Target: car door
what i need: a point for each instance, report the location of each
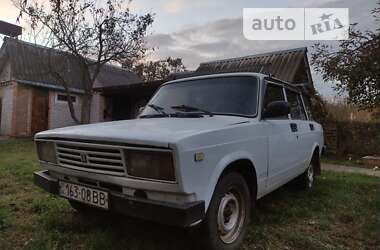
(282, 142)
(302, 128)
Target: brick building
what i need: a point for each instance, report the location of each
(31, 100)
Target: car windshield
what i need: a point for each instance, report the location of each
(235, 95)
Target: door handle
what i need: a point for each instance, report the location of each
(293, 127)
(311, 126)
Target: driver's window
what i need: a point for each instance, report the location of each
(274, 93)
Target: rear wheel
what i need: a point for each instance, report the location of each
(306, 180)
(228, 214)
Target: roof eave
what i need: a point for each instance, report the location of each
(49, 86)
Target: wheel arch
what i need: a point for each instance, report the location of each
(238, 162)
(315, 159)
(246, 168)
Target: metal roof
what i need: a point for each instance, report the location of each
(32, 63)
(287, 65)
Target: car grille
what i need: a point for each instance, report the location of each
(95, 158)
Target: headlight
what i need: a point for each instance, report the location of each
(150, 165)
(46, 151)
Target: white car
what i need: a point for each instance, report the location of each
(201, 153)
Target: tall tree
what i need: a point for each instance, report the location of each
(93, 33)
(354, 65)
(156, 70)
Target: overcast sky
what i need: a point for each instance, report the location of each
(204, 30)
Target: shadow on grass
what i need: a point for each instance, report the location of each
(100, 230)
(327, 218)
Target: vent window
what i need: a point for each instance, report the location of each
(64, 98)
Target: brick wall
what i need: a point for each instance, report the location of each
(17, 108)
(6, 96)
(22, 110)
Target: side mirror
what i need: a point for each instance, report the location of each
(276, 109)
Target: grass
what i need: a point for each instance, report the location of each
(352, 161)
(342, 212)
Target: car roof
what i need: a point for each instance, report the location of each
(216, 76)
(260, 75)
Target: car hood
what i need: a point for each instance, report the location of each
(153, 131)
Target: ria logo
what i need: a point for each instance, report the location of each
(328, 23)
(295, 23)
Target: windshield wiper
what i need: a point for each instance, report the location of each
(158, 109)
(187, 108)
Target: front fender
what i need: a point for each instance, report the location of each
(315, 146)
(221, 166)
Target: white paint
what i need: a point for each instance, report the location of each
(6, 96)
(59, 113)
(97, 107)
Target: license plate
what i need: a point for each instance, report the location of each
(84, 194)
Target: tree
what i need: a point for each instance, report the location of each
(92, 33)
(354, 65)
(156, 70)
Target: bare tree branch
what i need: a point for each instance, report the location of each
(94, 34)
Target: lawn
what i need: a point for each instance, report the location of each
(342, 212)
(353, 161)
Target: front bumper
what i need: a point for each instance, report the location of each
(183, 215)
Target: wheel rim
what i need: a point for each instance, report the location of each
(231, 216)
(310, 176)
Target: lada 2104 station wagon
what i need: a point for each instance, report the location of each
(201, 153)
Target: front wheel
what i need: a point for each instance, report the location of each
(228, 214)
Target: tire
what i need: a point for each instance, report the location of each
(307, 179)
(228, 215)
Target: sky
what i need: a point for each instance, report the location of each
(204, 30)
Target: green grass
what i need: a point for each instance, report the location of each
(343, 212)
(352, 161)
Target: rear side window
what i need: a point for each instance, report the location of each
(297, 111)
